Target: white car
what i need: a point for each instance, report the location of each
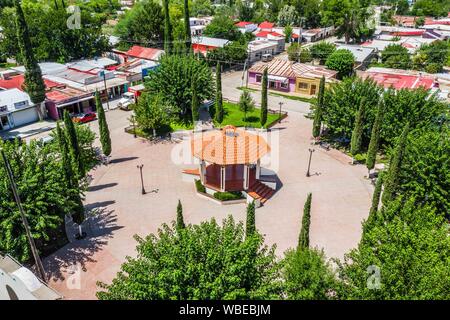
(127, 99)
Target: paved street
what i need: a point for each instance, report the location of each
(341, 200)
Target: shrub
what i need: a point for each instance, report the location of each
(228, 195)
(199, 186)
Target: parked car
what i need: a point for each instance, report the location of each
(84, 117)
(267, 57)
(128, 98)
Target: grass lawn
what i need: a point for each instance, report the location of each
(275, 94)
(235, 117)
(181, 126)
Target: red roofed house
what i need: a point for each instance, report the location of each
(400, 79)
(144, 53)
(272, 36)
(245, 26)
(59, 97)
(266, 26)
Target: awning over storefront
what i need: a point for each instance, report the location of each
(278, 78)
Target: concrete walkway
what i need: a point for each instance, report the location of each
(118, 210)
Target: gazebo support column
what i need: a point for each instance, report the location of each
(258, 169)
(202, 171)
(245, 186)
(222, 178)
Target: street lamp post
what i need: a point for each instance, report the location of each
(133, 122)
(309, 162)
(37, 259)
(279, 116)
(142, 177)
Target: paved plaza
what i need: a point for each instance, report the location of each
(341, 200)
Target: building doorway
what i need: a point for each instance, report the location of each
(313, 89)
(4, 122)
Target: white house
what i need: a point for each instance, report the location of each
(257, 48)
(16, 109)
(245, 26)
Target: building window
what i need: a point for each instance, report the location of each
(258, 78)
(303, 86)
(3, 108)
(272, 84)
(283, 85)
(20, 104)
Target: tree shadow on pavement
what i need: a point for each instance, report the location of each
(100, 224)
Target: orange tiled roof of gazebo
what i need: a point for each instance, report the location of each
(229, 146)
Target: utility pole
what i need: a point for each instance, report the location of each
(279, 116)
(37, 259)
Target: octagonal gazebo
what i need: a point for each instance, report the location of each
(229, 158)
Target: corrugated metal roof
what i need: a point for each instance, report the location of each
(289, 69)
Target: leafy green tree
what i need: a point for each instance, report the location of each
(433, 56)
(50, 37)
(396, 56)
(307, 275)
(309, 11)
(172, 80)
(70, 179)
(425, 168)
(195, 103)
(392, 178)
(303, 240)
(222, 27)
(264, 85)
(375, 137)
(435, 8)
(356, 141)
(230, 54)
(168, 37)
(298, 54)
(287, 16)
(246, 103)
(187, 27)
(288, 30)
(180, 220)
(245, 10)
(152, 113)
(34, 84)
(46, 199)
(342, 61)
(218, 112)
(250, 228)
(200, 262)
(322, 50)
(74, 147)
(105, 138)
(407, 251)
(342, 101)
(143, 24)
(349, 17)
(318, 111)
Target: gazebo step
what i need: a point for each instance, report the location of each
(195, 172)
(260, 191)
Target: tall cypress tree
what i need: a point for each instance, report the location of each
(194, 103)
(73, 144)
(34, 84)
(219, 103)
(168, 37)
(375, 199)
(318, 114)
(355, 146)
(303, 240)
(105, 138)
(72, 183)
(180, 220)
(375, 137)
(263, 117)
(250, 228)
(391, 181)
(187, 27)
